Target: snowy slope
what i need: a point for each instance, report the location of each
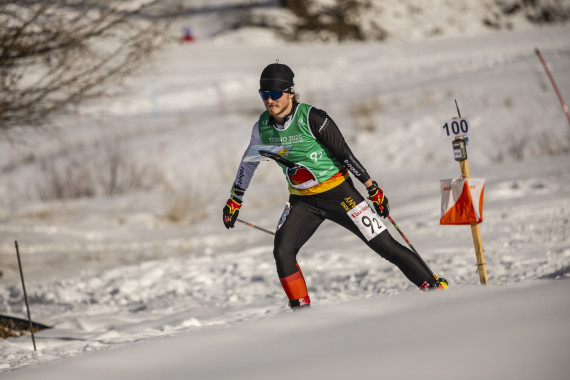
(518, 332)
(110, 271)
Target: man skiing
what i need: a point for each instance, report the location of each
(317, 164)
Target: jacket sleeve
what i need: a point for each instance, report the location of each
(326, 131)
(246, 169)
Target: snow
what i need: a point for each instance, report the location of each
(133, 293)
(517, 332)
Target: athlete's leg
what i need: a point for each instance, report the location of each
(299, 225)
(406, 260)
(338, 201)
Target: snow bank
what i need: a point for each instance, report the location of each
(518, 332)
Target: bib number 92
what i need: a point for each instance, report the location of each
(367, 221)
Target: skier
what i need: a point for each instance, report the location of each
(320, 186)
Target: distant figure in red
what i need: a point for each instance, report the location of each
(188, 35)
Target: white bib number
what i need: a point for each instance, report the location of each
(367, 221)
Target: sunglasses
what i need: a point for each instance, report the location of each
(275, 95)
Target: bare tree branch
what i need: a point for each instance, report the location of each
(55, 54)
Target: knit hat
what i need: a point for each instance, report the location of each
(276, 76)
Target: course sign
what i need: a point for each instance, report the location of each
(455, 128)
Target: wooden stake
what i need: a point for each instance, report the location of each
(477, 243)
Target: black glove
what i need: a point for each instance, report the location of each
(379, 200)
(231, 211)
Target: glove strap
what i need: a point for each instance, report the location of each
(233, 204)
(372, 187)
(375, 193)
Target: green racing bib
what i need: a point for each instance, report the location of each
(317, 163)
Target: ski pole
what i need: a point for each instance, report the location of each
(553, 82)
(402, 234)
(256, 227)
(410, 244)
(25, 294)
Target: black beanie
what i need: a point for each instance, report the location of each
(276, 76)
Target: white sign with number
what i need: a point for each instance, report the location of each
(367, 221)
(454, 128)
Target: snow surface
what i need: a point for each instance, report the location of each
(517, 332)
(156, 298)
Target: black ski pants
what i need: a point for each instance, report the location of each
(307, 212)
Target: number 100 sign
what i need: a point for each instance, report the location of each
(454, 128)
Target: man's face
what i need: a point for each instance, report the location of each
(280, 107)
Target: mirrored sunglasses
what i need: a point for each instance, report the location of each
(275, 95)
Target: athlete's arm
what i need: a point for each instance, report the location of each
(326, 131)
(246, 169)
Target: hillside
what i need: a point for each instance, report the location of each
(130, 273)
